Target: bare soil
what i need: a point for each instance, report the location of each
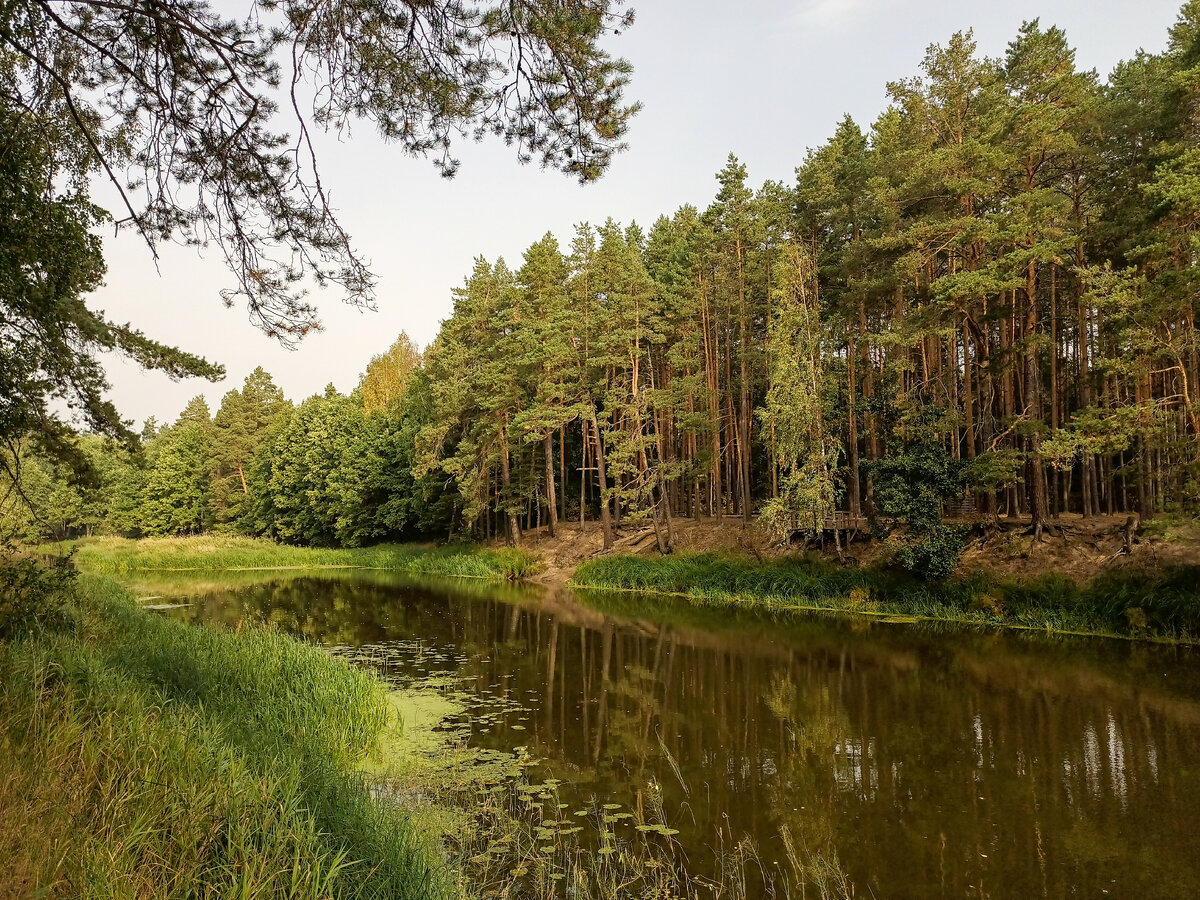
(1072, 546)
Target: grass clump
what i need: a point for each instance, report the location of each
(119, 556)
(1163, 603)
(140, 757)
(719, 576)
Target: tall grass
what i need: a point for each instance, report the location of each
(146, 758)
(116, 556)
(1164, 603)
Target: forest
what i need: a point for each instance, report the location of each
(984, 302)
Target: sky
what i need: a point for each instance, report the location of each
(763, 79)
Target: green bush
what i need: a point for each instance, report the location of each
(36, 597)
(932, 552)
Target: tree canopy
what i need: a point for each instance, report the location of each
(183, 109)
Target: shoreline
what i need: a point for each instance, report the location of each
(1154, 606)
(1135, 602)
(773, 605)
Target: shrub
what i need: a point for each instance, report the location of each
(36, 597)
(932, 552)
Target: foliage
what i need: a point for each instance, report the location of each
(35, 597)
(910, 489)
(49, 338)
(941, 299)
(985, 295)
(385, 381)
(797, 406)
(239, 429)
(99, 89)
(931, 552)
(175, 494)
(911, 485)
(1111, 603)
(120, 81)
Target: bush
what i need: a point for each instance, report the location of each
(932, 552)
(36, 597)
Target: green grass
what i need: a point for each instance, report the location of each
(1160, 604)
(118, 556)
(143, 758)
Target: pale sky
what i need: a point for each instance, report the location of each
(764, 79)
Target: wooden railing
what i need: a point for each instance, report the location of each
(842, 520)
(961, 509)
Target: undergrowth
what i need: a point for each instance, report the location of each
(1163, 603)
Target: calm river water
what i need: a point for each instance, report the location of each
(937, 763)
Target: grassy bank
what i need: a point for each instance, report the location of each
(118, 556)
(141, 758)
(1160, 604)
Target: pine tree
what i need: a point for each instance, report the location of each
(547, 358)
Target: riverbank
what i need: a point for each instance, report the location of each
(121, 556)
(1138, 603)
(1150, 594)
(147, 758)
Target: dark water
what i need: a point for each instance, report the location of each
(935, 763)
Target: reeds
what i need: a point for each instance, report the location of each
(523, 841)
(148, 758)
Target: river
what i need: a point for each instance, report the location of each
(928, 762)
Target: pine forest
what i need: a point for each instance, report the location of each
(981, 305)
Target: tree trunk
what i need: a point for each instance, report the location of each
(562, 470)
(605, 515)
(514, 526)
(551, 500)
(1036, 473)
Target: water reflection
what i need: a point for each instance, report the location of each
(935, 764)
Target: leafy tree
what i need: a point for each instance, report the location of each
(298, 497)
(43, 504)
(239, 428)
(175, 496)
(797, 406)
(911, 485)
(401, 502)
(383, 384)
